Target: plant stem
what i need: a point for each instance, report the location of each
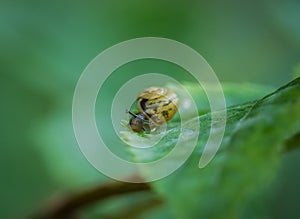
(66, 207)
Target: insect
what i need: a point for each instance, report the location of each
(156, 105)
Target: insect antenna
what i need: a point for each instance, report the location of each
(128, 111)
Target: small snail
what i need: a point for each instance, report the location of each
(157, 105)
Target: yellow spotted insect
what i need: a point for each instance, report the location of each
(157, 105)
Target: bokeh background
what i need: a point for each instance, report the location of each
(45, 46)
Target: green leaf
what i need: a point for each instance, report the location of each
(256, 135)
(234, 93)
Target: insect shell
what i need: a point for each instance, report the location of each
(157, 105)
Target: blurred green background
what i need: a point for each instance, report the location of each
(45, 46)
